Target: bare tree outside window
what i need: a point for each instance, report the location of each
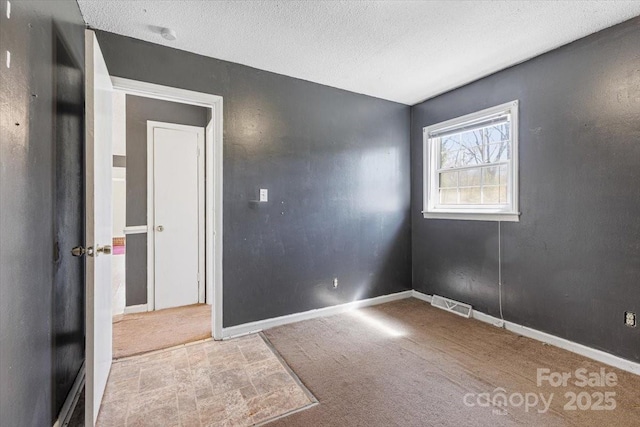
(480, 152)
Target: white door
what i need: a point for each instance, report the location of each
(178, 213)
(98, 160)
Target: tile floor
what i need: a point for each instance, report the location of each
(240, 382)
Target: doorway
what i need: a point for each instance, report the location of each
(161, 148)
(213, 165)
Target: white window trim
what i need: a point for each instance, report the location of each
(474, 213)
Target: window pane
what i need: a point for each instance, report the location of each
(472, 139)
(503, 194)
(495, 175)
(475, 147)
(499, 152)
(448, 179)
(462, 149)
(491, 195)
(470, 195)
(450, 143)
(448, 159)
(470, 177)
(498, 133)
(449, 151)
(490, 176)
(449, 197)
(470, 157)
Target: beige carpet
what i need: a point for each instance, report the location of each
(155, 330)
(408, 364)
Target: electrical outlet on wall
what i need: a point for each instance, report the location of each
(264, 195)
(630, 319)
(335, 282)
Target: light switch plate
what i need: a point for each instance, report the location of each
(264, 195)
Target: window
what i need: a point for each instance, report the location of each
(471, 166)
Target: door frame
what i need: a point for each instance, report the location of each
(151, 248)
(213, 178)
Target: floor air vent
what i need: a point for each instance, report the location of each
(459, 308)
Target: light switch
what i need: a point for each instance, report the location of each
(264, 195)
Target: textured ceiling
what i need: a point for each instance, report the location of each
(404, 51)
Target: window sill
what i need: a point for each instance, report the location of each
(479, 216)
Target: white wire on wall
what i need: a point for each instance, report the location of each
(500, 272)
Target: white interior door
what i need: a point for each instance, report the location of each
(178, 213)
(98, 160)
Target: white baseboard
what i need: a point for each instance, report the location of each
(498, 323)
(131, 309)
(248, 328)
(72, 399)
(574, 347)
(421, 296)
(583, 350)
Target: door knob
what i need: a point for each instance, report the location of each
(106, 249)
(79, 251)
(159, 228)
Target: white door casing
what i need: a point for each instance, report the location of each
(214, 151)
(98, 161)
(175, 170)
(213, 254)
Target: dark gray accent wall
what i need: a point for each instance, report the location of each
(68, 312)
(571, 266)
(136, 269)
(138, 111)
(27, 141)
(337, 168)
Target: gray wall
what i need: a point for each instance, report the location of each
(571, 266)
(337, 168)
(27, 139)
(138, 111)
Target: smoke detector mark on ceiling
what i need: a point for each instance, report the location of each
(168, 34)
